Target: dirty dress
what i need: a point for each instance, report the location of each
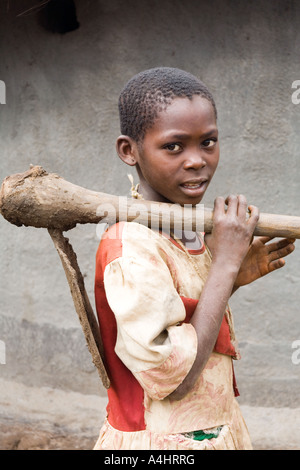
(146, 290)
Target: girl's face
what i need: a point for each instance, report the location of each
(180, 153)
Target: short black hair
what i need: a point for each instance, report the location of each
(150, 92)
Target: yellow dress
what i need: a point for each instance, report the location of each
(146, 290)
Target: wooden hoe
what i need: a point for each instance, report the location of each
(43, 200)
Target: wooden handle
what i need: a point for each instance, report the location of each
(38, 199)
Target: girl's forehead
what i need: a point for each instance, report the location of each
(185, 113)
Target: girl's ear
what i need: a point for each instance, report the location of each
(127, 150)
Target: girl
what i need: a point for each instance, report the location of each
(162, 301)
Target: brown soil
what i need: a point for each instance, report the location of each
(22, 436)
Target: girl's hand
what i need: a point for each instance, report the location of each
(263, 258)
(232, 232)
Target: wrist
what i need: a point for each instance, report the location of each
(226, 267)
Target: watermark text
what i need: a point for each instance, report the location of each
(2, 92)
(296, 93)
(167, 218)
(296, 353)
(2, 352)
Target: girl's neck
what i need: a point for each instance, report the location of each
(189, 238)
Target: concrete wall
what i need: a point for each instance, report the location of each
(61, 113)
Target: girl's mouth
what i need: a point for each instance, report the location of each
(194, 189)
(194, 184)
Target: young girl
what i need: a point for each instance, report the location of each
(162, 301)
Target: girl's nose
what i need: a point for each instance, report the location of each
(194, 160)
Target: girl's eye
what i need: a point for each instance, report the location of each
(173, 147)
(209, 143)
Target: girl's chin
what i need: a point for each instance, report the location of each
(186, 197)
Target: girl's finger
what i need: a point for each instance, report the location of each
(282, 252)
(219, 205)
(232, 204)
(263, 240)
(277, 264)
(285, 242)
(242, 206)
(253, 217)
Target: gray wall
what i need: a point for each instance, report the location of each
(61, 113)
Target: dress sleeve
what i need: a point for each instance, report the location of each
(152, 341)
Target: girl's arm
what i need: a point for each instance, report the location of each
(231, 236)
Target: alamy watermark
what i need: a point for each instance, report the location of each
(296, 353)
(2, 92)
(2, 352)
(296, 94)
(152, 215)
